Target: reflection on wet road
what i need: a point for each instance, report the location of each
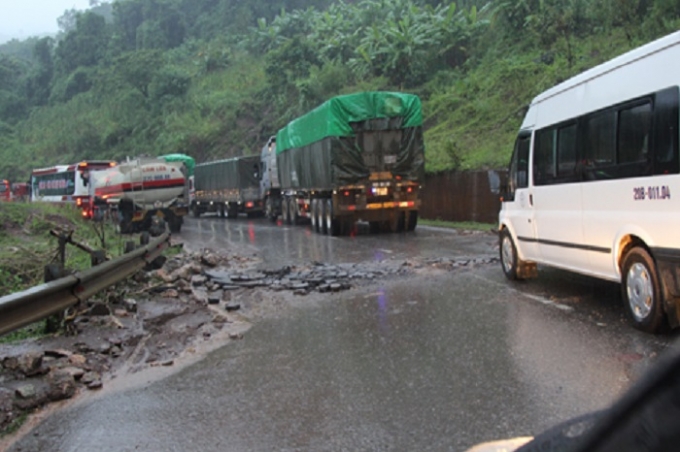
(282, 245)
(433, 362)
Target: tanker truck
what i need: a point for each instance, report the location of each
(355, 157)
(138, 191)
(229, 186)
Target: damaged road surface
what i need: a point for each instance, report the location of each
(386, 342)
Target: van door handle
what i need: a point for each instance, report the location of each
(531, 199)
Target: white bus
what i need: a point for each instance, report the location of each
(594, 182)
(66, 183)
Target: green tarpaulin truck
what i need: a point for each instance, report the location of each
(229, 186)
(355, 157)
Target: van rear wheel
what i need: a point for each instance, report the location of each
(508, 255)
(641, 291)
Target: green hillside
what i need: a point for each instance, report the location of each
(215, 78)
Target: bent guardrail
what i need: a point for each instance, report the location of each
(23, 308)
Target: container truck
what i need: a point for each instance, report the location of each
(138, 191)
(228, 187)
(355, 157)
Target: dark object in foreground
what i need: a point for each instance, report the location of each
(646, 418)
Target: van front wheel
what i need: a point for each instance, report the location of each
(641, 291)
(508, 254)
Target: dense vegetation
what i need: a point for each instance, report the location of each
(215, 78)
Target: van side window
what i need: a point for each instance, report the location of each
(600, 147)
(555, 155)
(566, 152)
(665, 140)
(634, 132)
(519, 167)
(545, 150)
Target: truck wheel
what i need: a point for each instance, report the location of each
(294, 214)
(411, 220)
(396, 223)
(269, 209)
(321, 210)
(285, 211)
(312, 215)
(641, 291)
(320, 216)
(232, 211)
(332, 223)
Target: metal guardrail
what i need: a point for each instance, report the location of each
(23, 308)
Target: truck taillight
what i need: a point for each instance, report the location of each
(79, 202)
(249, 205)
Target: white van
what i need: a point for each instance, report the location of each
(594, 182)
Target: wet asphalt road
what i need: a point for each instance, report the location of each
(437, 361)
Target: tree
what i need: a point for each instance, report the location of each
(138, 69)
(39, 80)
(84, 46)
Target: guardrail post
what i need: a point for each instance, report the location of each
(52, 273)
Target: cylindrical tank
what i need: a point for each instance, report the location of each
(148, 183)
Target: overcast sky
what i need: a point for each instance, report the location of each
(24, 18)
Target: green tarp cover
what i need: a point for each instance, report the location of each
(378, 146)
(334, 118)
(188, 161)
(234, 173)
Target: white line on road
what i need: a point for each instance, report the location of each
(543, 300)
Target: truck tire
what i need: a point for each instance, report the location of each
(293, 214)
(312, 215)
(411, 220)
(396, 223)
(269, 209)
(232, 211)
(332, 223)
(285, 212)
